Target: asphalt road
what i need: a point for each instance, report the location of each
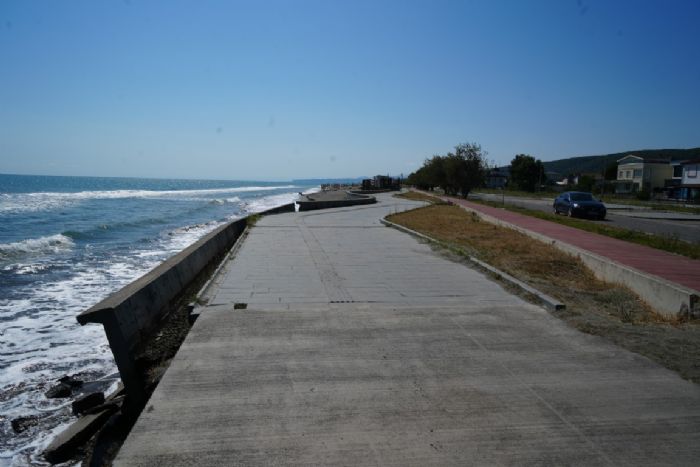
(688, 231)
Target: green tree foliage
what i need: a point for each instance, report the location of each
(611, 171)
(430, 176)
(585, 183)
(456, 173)
(526, 172)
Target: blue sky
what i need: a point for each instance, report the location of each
(298, 89)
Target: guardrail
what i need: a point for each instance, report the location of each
(133, 313)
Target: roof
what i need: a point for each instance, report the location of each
(641, 160)
(693, 161)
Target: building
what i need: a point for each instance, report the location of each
(381, 182)
(690, 182)
(497, 177)
(636, 174)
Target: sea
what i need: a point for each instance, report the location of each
(65, 244)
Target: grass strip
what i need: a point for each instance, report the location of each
(665, 243)
(592, 305)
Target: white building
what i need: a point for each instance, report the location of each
(636, 174)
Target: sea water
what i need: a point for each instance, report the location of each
(65, 244)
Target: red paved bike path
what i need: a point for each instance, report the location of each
(673, 268)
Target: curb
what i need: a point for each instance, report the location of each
(641, 216)
(548, 302)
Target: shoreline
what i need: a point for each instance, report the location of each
(31, 433)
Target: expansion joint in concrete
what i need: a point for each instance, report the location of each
(330, 279)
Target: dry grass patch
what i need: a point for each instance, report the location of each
(592, 305)
(416, 196)
(505, 249)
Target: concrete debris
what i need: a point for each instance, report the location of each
(21, 424)
(66, 444)
(61, 390)
(87, 402)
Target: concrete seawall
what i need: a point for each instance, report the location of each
(333, 199)
(131, 314)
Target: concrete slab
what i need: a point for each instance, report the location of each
(360, 346)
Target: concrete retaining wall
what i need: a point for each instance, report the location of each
(313, 205)
(131, 314)
(665, 297)
(373, 192)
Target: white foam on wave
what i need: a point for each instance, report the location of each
(40, 341)
(52, 244)
(268, 202)
(310, 191)
(22, 269)
(177, 240)
(39, 201)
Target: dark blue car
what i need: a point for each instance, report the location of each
(578, 203)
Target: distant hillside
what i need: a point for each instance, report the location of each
(598, 163)
(322, 181)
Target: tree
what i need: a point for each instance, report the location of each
(456, 173)
(466, 168)
(435, 171)
(611, 171)
(431, 175)
(526, 172)
(585, 183)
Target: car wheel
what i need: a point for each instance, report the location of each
(556, 211)
(570, 212)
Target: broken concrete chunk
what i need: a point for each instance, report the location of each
(71, 381)
(20, 424)
(59, 391)
(112, 402)
(64, 388)
(87, 402)
(65, 445)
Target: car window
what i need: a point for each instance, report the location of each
(581, 197)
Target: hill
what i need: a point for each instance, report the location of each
(323, 181)
(597, 164)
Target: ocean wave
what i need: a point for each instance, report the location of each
(310, 191)
(98, 230)
(268, 202)
(23, 269)
(221, 201)
(52, 244)
(39, 201)
(44, 342)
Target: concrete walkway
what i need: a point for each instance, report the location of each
(361, 346)
(668, 266)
